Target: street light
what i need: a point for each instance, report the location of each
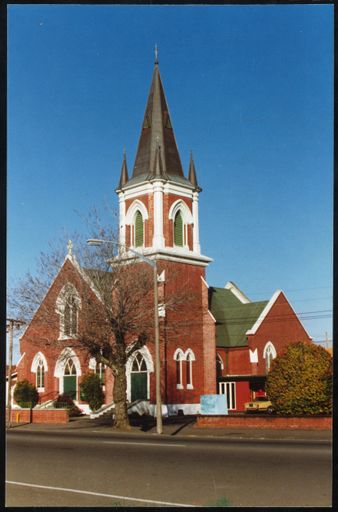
(152, 263)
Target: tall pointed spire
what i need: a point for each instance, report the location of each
(192, 173)
(124, 172)
(157, 131)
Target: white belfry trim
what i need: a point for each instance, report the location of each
(196, 236)
(36, 358)
(158, 239)
(185, 211)
(136, 205)
(122, 223)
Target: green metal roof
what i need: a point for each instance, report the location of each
(233, 318)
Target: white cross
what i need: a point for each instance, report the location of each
(70, 247)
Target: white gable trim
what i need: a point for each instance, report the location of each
(21, 358)
(237, 292)
(264, 313)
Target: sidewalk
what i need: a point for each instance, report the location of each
(175, 427)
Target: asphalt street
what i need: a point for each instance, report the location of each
(100, 469)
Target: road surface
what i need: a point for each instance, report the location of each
(95, 469)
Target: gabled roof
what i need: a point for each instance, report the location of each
(233, 317)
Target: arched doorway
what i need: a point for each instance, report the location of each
(70, 380)
(139, 379)
(138, 369)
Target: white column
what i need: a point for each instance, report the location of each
(158, 239)
(122, 219)
(196, 237)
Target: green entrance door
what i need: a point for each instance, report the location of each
(139, 379)
(138, 386)
(69, 386)
(69, 379)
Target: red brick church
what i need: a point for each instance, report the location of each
(231, 342)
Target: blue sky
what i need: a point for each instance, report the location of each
(250, 91)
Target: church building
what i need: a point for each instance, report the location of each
(228, 342)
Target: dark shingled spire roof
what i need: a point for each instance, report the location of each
(157, 154)
(192, 174)
(124, 173)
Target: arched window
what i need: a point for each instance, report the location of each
(179, 356)
(269, 353)
(178, 229)
(189, 371)
(138, 226)
(219, 366)
(68, 305)
(70, 317)
(139, 364)
(70, 368)
(40, 374)
(189, 358)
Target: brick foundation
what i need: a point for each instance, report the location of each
(40, 416)
(270, 422)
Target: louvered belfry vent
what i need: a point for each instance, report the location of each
(138, 229)
(178, 230)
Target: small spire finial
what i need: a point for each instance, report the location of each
(70, 248)
(124, 152)
(156, 54)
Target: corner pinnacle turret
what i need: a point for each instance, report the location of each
(124, 172)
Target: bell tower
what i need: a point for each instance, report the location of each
(158, 204)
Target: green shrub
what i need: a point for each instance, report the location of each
(26, 394)
(300, 381)
(91, 391)
(66, 402)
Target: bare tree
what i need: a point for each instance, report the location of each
(116, 317)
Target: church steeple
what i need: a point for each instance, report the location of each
(159, 205)
(157, 131)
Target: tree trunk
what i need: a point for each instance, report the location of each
(121, 420)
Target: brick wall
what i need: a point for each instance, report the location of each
(40, 416)
(270, 422)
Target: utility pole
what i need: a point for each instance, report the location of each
(11, 323)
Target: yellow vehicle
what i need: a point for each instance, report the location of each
(260, 404)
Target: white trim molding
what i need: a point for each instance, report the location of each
(269, 346)
(237, 292)
(263, 314)
(181, 206)
(131, 212)
(253, 354)
(39, 356)
(66, 354)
